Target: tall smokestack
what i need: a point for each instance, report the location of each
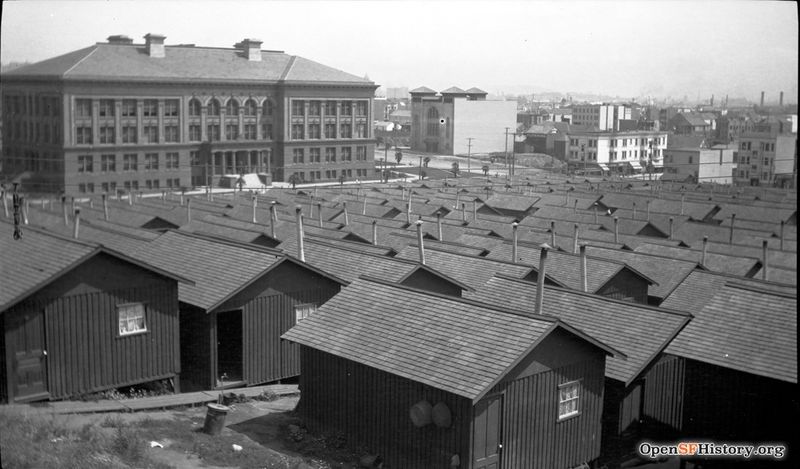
(540, 278)
(23, 202)
(64, 209)
(5, 203)
(514, 227)
(671, 227)
(764, 246)
(575, 240)
(419, 242)
(584, 281)
(301, 252)
(762, 99)
(78, 222)
(780, 100)
(705, 250)
(272, 217)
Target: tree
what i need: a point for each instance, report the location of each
(485, 169)
(426, 161)
(455, 168)
(398, 156)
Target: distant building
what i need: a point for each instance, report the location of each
(699, 164)
(119, 116)
(443, 122)
(691, 123)
(730, 127)
(602, 116)
(380, 109)
(766, 156)
(621, 152)
(397, 93)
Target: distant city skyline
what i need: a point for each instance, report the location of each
(612, 48)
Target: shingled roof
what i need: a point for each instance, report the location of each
(446, 343)
(39, 258)
(217, 277)
(745, 329)
(638, 331)
(131, 62)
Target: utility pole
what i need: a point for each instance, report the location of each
(508, 173)
(469, 152)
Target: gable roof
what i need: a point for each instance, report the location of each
(744, 329)
(39, 258)
(218, 269)
(104, 61)
(638, 331)
(443, 342)
(564, 268)
(730, 264)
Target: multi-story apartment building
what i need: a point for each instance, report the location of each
(713, 164)
(620, 152)
(767, 156)
(445, 122)
(124, 116)
(603, 116)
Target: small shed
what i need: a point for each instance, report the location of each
(243, 298)
(430, 369)
(77, 318)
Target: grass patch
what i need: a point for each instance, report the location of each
(36, 441)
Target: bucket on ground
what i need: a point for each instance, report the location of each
(215, 418)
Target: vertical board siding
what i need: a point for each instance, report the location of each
(3, 363)
(84, 353)
(371, 408)
(663, 396)
(725, 404)
(532, 435)
(267, 357)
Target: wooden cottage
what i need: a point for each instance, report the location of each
(78, 318)
(731, 374)
(640, 332)
(422, 380)
(243, 298)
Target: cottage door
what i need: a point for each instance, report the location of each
(487, 442)
(27, 346)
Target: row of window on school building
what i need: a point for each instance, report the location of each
(330, 174)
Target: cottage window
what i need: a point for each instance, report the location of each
(131, 318)
(568, 400)
(304, 310)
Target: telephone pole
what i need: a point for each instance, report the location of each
(469, 152)
(508, 173)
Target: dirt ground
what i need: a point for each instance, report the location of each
(261, 428)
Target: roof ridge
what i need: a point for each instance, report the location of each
(753, 288)
(228, 242)
(570, 291)
(54, 234)
(499, 309)
(356, 250)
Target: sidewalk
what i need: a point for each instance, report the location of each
(156, 402)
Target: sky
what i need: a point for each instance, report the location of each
(611, 47)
